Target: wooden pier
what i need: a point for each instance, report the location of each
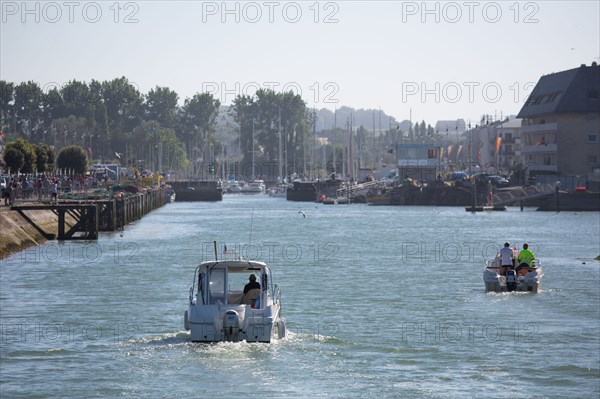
(93, 216)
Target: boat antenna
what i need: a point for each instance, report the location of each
(251, 220)
(215, 246)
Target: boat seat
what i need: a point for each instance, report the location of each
(251, 295)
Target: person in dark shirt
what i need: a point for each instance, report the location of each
(252, 284)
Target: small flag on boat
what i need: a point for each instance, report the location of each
(225, 249)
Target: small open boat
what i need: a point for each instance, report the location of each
(519, 279)
(219, 310)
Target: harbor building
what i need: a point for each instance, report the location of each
(561, 128)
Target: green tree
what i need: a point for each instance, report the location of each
(72, 158)
(295, 125)
(161, 106)
(6, 106)
(198, 118)
(44, 158)
(50, 158)
(28, 152)
(430, 133)
(14, 159)
(75, 96)
(28, 110)
(242, 110)
(149, 136)
(41, 158)
(70, 130)
(423, 131)
(123, 104)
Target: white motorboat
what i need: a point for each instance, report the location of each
(278, 191)
(219, 310)
(519, 279)
(234, 188)
(253, 187)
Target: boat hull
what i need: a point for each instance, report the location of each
(197, 191)
(302, 192)
(530, 282)
(208, 324)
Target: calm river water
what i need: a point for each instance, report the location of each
(381, 302)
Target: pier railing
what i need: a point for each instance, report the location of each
(102, 211)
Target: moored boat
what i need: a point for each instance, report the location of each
(278, 191)
(253, 187)
(219, 312)
(303, 191)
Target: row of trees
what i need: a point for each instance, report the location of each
(20, 155)
(112, 119)
(24, 157)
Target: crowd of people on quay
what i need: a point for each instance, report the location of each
(48, 187)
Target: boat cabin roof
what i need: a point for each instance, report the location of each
(235, 266)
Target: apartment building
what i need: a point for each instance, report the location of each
(560, 129)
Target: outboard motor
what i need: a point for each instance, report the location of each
(231, 325)
(511, 280)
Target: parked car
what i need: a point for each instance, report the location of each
(460, 179)
(482, 179)
(498, 181)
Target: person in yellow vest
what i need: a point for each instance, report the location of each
(525, 258)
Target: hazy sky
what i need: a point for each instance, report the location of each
(440, 60)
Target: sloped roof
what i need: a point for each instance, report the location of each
(575, 90)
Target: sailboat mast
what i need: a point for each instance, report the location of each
(279, 152)
(253, 164)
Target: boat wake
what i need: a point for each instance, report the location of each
(167, 339)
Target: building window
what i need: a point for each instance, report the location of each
(592, 159)
(592, 138)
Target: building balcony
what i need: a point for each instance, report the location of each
(544, 127)
(538, 149)
(418, 162)
(543, 168)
